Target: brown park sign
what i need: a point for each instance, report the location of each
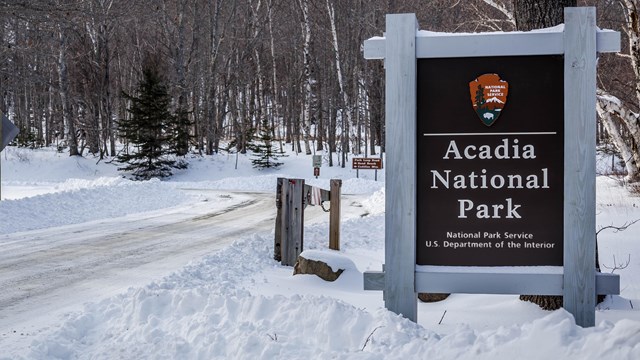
(366, 163)
(490, 193)
(465, 196)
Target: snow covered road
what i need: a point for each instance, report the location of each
(44, 273)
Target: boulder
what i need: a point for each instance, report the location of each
(316, 267)
(428, 298)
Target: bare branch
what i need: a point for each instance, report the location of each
(442, 318)
(625, 56)
(617, 229)
(369, 338)
(618, 265)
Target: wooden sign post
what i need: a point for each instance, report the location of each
(292, 221)
(292, 197)
(503, 162)
(335, 191)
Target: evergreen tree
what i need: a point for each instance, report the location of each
(179, 135)
(265, 155)
(179, 129)
(147, 127)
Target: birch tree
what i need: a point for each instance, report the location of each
(609, 110)
(274, 106)
(102, 18)
(63, 76)
(620, 120)
(307, 80)
(346, 102)
(618, 117)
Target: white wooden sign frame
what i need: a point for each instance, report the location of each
(579, 41)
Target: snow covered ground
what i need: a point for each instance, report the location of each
(238, 303)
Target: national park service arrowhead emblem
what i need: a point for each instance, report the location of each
(488, 96)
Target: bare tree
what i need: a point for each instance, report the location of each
(617, 115)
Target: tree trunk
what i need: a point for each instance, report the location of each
(67, 113)
(333, 125)
(529, 15)
(607, 106)
(307, 95)
(537, 14)
(108, 106)
(346, 101)
(275, 98)
(182, 141)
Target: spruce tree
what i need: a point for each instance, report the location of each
(180, 136)
(265, 155)
(146, 128)
(179, 129)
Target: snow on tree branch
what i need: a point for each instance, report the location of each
(503, 9)
(608, 107)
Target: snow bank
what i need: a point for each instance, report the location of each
(267, 183)
(79, 201)
(47, 165)
(375, 203)
(195, 324)
(209, 311)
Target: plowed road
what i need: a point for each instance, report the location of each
(38, 269)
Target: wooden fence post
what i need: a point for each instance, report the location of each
(335, 190)
(277, 244)
(292, 220)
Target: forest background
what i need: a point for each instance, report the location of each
(234, 67)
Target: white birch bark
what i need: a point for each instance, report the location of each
(503, 9)
(608, 107)
(346, 103)
(67, 116)
(182, 146)
(306, 108)
(259, 73)
(633, 34)
(275, 100)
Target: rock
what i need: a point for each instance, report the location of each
(315, 267)
(426, 297)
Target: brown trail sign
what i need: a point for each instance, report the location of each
(366, 163)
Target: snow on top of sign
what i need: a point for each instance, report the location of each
(553, 29)
(608, 97)
(491, 269)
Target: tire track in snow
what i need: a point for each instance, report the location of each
(39, 269)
